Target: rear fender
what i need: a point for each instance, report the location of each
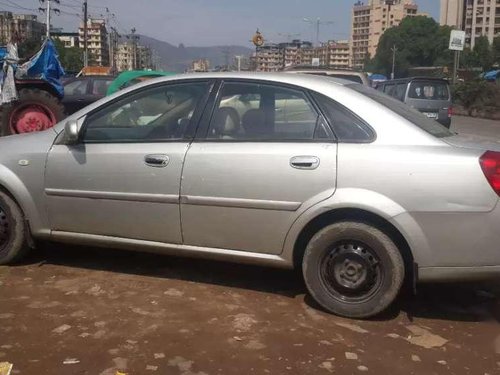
(365, 200)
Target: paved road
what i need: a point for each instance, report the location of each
(470, 125)
(74, 310)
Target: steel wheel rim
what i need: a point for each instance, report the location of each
(351, 271)
(4, 228)
(31, 117)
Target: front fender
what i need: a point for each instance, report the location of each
(365, 200)
(13, 184)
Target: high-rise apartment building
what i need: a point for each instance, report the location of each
(97, 41)
(370, 20)
(20, 27)
(452, 13)
(482, 18)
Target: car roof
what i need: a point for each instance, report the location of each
(307, 81)
(417, 78)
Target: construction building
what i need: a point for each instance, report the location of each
(68, 39)
(20, 27)
(97, 41)
(133, 56)
(369, 22)
(275, 57)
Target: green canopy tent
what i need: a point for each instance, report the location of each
(129, 78)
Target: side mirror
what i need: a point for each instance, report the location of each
(71, 135)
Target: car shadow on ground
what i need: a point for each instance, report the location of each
(451, 302)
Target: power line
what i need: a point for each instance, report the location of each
(16, 6)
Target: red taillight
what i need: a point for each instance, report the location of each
(450, 111)
(490, 164)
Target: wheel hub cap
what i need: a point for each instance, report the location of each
(31, 118)
(351, 270)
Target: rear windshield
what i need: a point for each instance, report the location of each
(405, 111)
(347, 77)
(429, 90)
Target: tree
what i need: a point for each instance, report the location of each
(71, 58)
(28, 48)
(483, 53)
(496, 51)
(419, 41)
(474, 95)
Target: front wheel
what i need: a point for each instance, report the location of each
(13, 231)
(353, 269)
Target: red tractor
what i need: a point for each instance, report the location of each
(31, 92)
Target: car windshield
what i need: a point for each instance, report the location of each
(405, 111)
(429, 90)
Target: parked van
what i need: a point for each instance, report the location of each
(431, 96)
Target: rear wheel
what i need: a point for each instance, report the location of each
(353, 269)
(13, 231)
(35, 110)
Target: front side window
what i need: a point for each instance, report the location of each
(78, 87)
(101, 86)
(247, 111)
(158, 113)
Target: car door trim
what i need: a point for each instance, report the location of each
(116, 196)
(240, 203)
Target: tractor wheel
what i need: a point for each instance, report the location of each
(36, 110)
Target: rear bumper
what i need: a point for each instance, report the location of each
(456, 274)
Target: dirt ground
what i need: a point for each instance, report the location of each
(71, 310)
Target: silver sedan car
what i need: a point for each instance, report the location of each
(357, 189)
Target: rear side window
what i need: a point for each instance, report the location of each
(400, 91)
(254, 112)
(348, 127)
(429, 90)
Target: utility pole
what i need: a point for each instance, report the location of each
(317, 23)
(132, 36)
(85, 32)
(48, 19)
(394, 50)
(239, 57)
(48, 11)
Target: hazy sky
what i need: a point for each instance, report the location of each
(216, 22)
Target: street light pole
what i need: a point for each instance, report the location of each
(394, 50)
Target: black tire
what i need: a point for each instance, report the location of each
(353, 269)
(13, 231)
(50, 103)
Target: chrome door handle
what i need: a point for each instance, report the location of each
(156, 160)
(304, 162)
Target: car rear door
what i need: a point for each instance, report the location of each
(122, 179)
(264, 155)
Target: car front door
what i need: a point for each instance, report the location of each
(123, 178)
(257, 166)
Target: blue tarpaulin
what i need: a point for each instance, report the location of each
(492, 75)
(45, 65)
